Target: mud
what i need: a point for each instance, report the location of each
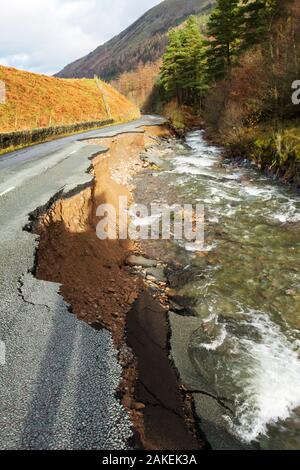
(94, 278)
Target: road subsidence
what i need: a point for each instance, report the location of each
(106, 291)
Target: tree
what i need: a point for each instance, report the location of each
(183, 70)
(224, 30)
(257, 16)
(259, 89)
(193, 72)
(171, 68)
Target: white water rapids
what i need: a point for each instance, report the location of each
(252, 282)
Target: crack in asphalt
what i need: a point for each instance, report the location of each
(22, 295)
(159, 402)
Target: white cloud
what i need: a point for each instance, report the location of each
(44, 36)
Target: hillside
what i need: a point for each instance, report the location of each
(137, 85)
(39, 101)
(144, 41)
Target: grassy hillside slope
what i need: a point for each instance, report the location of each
(35, 101)
(143, 42)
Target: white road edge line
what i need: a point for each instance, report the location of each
(7, 191)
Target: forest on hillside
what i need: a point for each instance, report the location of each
(236, 71)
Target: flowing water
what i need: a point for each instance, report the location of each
(248, 295)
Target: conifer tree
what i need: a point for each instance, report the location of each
(182, 72)
(171, 69)
(256, 18)
(224, 30)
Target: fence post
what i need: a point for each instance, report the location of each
(2, 92)
(106, 105)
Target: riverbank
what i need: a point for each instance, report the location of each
(275, 150)
(182, 118)
(274, 147)
(102, 288)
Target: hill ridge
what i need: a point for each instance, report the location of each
(142, 42)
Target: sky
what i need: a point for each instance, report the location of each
(45, 35)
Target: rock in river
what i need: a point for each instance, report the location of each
(141, 261)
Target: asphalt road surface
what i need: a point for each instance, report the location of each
(59, 377)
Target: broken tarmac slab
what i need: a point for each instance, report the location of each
(39, 293)
(166, 414)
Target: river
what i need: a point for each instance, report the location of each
(243, 344)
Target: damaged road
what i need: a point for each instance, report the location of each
(58, 386)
